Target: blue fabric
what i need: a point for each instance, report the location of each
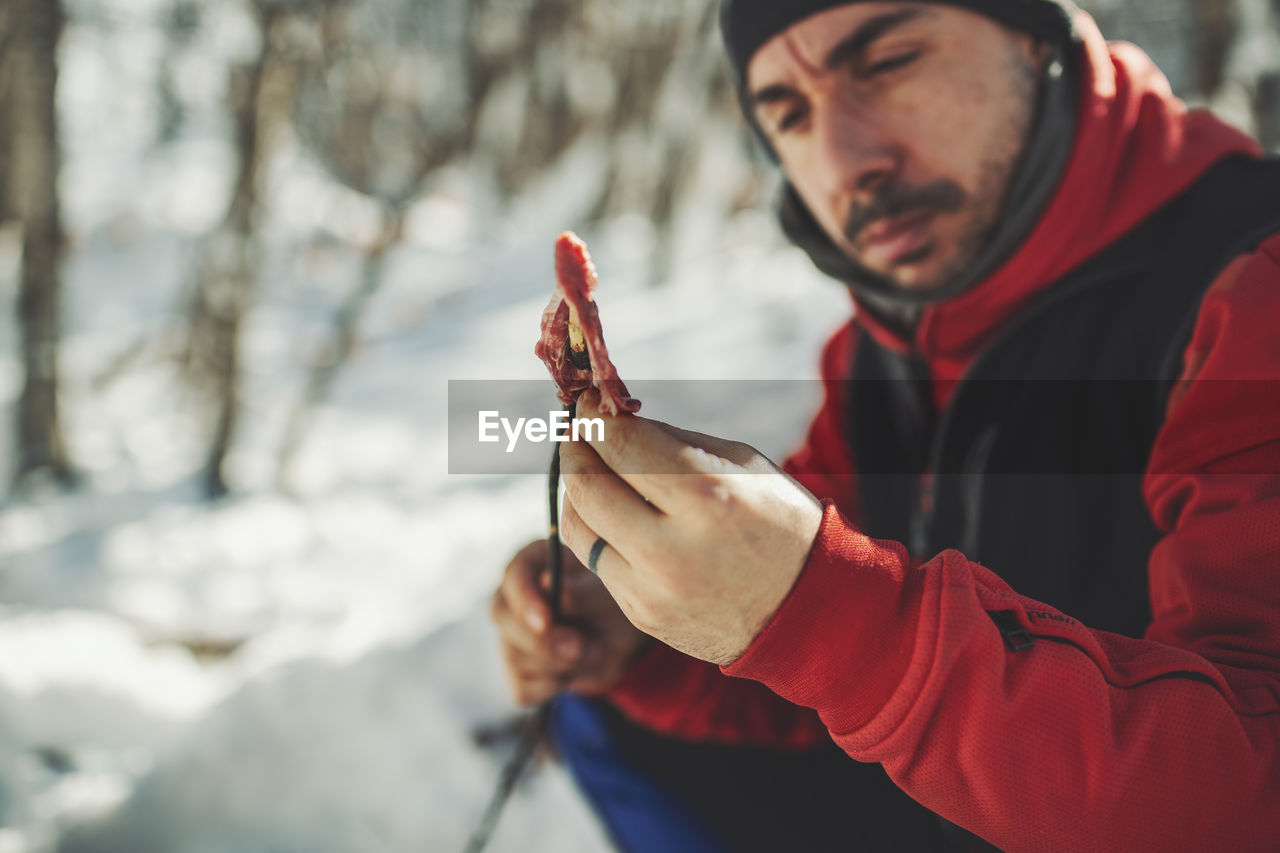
(640, 816)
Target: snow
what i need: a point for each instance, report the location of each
(306, 671)
(356, 658)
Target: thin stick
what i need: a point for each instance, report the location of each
(536, 724)
(555, 565)
(529, 740)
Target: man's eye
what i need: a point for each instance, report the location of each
(790, 119)
(892, 63)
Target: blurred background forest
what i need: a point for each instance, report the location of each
(288, 133)
(245, 243)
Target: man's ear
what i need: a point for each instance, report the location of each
(1038, 52)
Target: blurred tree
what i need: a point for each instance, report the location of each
(1213, 31)
(381, 113)
(29, 32)
(522, 55)
(1220, 53)
(1266, 108)
(1237, 42)
(180, 23)
(645, 80)
(261, 91)
(509, 86)
(7, 27)
(678, 93)
(1266, 93)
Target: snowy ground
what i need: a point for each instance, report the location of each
(305, 673)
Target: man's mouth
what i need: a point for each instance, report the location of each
(897, 240)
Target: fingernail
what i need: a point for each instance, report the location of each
(567, 648)
(536, 620)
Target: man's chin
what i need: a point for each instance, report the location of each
(919, 271)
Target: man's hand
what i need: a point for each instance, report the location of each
(706, 536)
(588, 653)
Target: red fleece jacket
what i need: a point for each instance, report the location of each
(1079, 746)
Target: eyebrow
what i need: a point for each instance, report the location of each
(848, 47)
(867, 32)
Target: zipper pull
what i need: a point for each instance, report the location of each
(1015, 636)
(922, 518)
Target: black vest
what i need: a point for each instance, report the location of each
(1035, 467)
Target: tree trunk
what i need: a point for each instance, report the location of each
(33, 192)
(1214, 31)
(341, 343)
(7, 27)
(226, 277)
(1266, 96)
(1266, 110)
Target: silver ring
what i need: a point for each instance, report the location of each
(593, 559)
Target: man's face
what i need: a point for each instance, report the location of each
(900, 125)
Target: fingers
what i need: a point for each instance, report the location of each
(521, 589)
(543, 658)
(581, 538)
(646, 454)
(539, 662)
(554, 642)
(540, 665)
(531, 691)
(531, 685)
(611, 507)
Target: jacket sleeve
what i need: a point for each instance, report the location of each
(1046, 735)
(670, 692)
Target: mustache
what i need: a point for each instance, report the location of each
(940, 196)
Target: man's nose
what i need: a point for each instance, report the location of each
(855, 154)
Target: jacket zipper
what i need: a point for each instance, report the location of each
(1054, 294)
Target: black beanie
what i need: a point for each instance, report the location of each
(747, 24)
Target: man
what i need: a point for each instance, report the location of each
(1025, 572)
